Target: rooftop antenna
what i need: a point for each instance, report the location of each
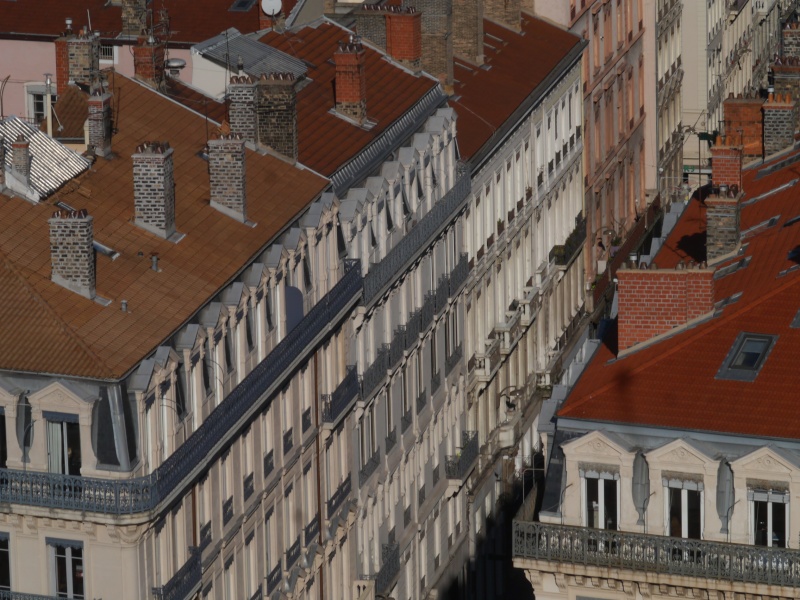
(89, 19)
(271, 8)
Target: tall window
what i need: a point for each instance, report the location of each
(63, 445)
(601, 506)
(769, 517)
(5, 564)
(180, 391)
(684, 509)
(68, 568)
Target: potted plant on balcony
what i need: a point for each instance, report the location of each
(616, 242)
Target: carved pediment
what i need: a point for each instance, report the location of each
(764, 460)
(595, 444)
(679, 452)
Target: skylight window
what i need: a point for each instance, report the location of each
(747, 356)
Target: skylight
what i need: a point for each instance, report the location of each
(747, 356)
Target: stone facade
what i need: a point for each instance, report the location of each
(226, 167)
(351, 81)
(77, 60)
(134, 14)
(468, 30)
(72, 252)
(100, 122)
(21, 159)
(154, 188)
(242, 107)
(779, 120)
(276, 113)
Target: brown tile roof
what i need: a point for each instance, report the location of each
(327, 141)
(517, 63)
(46, 328)
(673, 383)
(195, 100)
(190, 20)
(69, 114)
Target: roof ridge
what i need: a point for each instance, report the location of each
(69, 331)
(698, 333)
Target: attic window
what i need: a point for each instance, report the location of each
(242, 5)
(747, 356)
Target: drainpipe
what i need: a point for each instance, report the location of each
(319, 476)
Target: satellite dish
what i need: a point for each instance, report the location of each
(271, 7)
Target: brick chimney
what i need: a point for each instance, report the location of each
(351, 80)
(404, 36)
(726, 163)
(72, 252)
(743, 122)
(226, 169)
(506, 12)
(77, 59)
(21, 159)
(779, 119)
(468, 30)
(154, 188)
(654, 301)
(100, 122)
(242, 107)
(148, 61)
(786, 72)
(791, 40)
(722, 207)
(276, 113)
(134, 17)
(437, 38)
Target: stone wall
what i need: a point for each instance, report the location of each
(154, 188)
(468, 30)
(437, 39)
(226, 168)
(72, 252)
(722, 225)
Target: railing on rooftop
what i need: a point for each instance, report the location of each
(656, 554)
(415, 241)
(185, 583)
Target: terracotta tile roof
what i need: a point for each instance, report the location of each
(196, 100)
(190, 20)
(672, 383)
(46, 328)
(518, 63)
(69, 114)
(325, 140)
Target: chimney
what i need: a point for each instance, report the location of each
(779, 119)
(506, 12)
(154, 188)
(437, 38)
(148, 61)
(654, 301)
(371, 23)
(786, 73)
(468, 30)
(404, 36)
(21, 159)
(791, 40)
(72, 252)
(743, 122)
(276, 112)
(351, 80)
(242, 107)
(726, 164)
(226, 169)
(134, 17)
(722, 207)
(77, 60)
(100, 122)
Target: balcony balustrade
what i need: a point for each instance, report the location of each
(397, 346)
(7, 595)
(387, 575)
(436, 381)
(274, 578)
(458, 466)
(399, 258)
(368, 469)
(376, 372)
(249, 487)
(459, 275)
(405, 421)
(183, 585)
(227, 511)
(413, 329)
(288, 441)
(563, 254)
(391, 440)
(205, 536)
(442, 294)
(311, 530)
(269, 463)
(509, 332)
(292, 554)
(656, 555)
(422, 400)
(343, 397)
(341, 494)
(427, 311)
(451, 361)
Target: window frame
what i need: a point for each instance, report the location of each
(769, 497)
(596, 476)
(739, 373)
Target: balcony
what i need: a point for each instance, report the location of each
(426, 312)
(436, 381)
(292, 554)
(205, 536)
(269, 463)
(375, 374)
(413, 329)
(405, 421)
(306, 419)
(458, 467)
(442, 294)
(509, 332)
(227, 511)
(391, 440)
(655, 554)
(183, 585)
(339, 496)
(311, 531)
(397, 347)
(274, 578)
(459, 275)
(336, 405)
(563, 255)
(249, 488)
(288, 441)
(407, 250)
(387, 575)
(451, 361)
(369, 468)
(422, 401)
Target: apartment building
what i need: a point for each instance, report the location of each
(669, 74)
(662, 480)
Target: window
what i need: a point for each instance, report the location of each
(228, 349)
(208, 374)
(768, 517)
(63, 444)
(684, 509)
(601, 493)
(37, 95)
(5, 564)
(746, 357)
(180, 391)
(106, 52)
(230, 584)
(67, 557)
(250, 328)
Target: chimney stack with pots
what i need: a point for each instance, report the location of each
(134, 17)
(226, 169)
(779, 119)
(351, 80)
(276, 113)
(242, 107)
(148, 60)
(100, 122)
(21, 159)
(395, 29)
(72, 252)
(154, 188)
(77, 59)
(722, 206)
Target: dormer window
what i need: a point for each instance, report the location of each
(601, 494)
(747, 356)
(250, 329)
(768, 516)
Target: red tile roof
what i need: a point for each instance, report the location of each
(326, 141)
(518, 63)
(46, 328)
(672, 383)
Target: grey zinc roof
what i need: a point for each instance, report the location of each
(52, 163)
(258, 59)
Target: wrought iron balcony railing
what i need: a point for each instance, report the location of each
(205, 536)
(183, 585)
(442, 293)
(390, 555)
(227, 511)
(452, 360)
(436, 381)
(459, 465)
(656, 554)
(6, 595)
(415, 241)
(311, 530)
(422, 400)
(391, 440)
(292, 554)
(426, 312)
(288, 441)
(249, 486)
(369, 468)
(269, 463)
(274, 578)
(375, 373)
(412, 329)
(339, 496)
(405, 421)
(459, 275)
(397, 346)
(336, 404)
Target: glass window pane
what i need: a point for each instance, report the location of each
(750, 354)
(693, 514)
(592, 503)
(5, 567)
(760, 523)
(610, 496)
(778, 524)
(675, 510)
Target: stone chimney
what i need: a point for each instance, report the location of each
(654, 301)
(743, 123)
(506, 12)
(72, 252)
(242, 107)
(21, 159)
(371, 23)
(468, 30)
(148, 61)
(437, 37)
(226, 169)
(404, 36)
(779, 119)
(351, 80)
(791, 40)
(154, 188)
(134, 17)
(722, 207)
(100, 122)
(77, 60)
(276, 113)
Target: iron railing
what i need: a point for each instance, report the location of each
(436, 381)
(459, 275)
(391, 440)
(397, 346)
(656, 554)
(339, 496)
(375, 373)
(311, 530)
(369, 468)
(442, 293)
(413, 329)
(452, 360)
(426, 312)
(292, 554)
(274, 578)
(249, 486)
(183, 584)
(269, 463)
(227, 511)
(390, 555)
(306, 419)
(288, 441)
(457, 467)
(336, 404)
(415, 241)
(405, 421)
(205, 536)
(422, 400)
(6, 595)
